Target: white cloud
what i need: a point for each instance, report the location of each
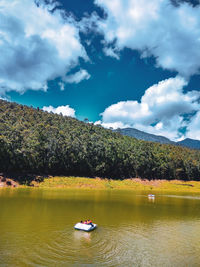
(77, 77)
(161, 109)
(110, 52)
(3, 98)
(62, 86)
(171, 34)
(64, 110)
(113, 125)
(193, 129)
(36, 45)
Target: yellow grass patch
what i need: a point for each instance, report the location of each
(130, 184)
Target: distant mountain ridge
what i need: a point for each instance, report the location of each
(191, 143)
(132, 132)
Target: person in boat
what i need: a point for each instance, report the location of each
(90, 222)
(85, 222)
(81, 221)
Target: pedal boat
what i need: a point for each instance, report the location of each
(85, 227)
(151, 196)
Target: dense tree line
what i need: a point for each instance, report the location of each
(34, 141)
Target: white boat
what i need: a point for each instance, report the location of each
(151, 196)
(85, 227)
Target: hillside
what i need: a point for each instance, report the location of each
(37, 142)
(132, 132)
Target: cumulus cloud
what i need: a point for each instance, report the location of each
(77, 77)
(161, 111)
(36, 45)
(193, 129)
(113, 125)
(64, 110)
(171, 34)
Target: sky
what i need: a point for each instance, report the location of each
(119, 63)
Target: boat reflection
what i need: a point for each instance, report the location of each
(79, 235)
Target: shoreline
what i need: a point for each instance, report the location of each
(135, 184)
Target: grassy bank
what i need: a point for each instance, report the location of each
(104, 184)
(127, 184)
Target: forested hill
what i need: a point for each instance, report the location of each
(37, 142)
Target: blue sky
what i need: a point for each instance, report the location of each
(118, 63)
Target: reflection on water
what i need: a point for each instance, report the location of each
(151, 199)
(184, 197)
(82, 236)
(36, 229)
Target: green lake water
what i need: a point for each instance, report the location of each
(36, 228)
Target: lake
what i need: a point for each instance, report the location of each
(36, 228)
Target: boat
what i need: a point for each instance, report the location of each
(151, 196)
(85, 227)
